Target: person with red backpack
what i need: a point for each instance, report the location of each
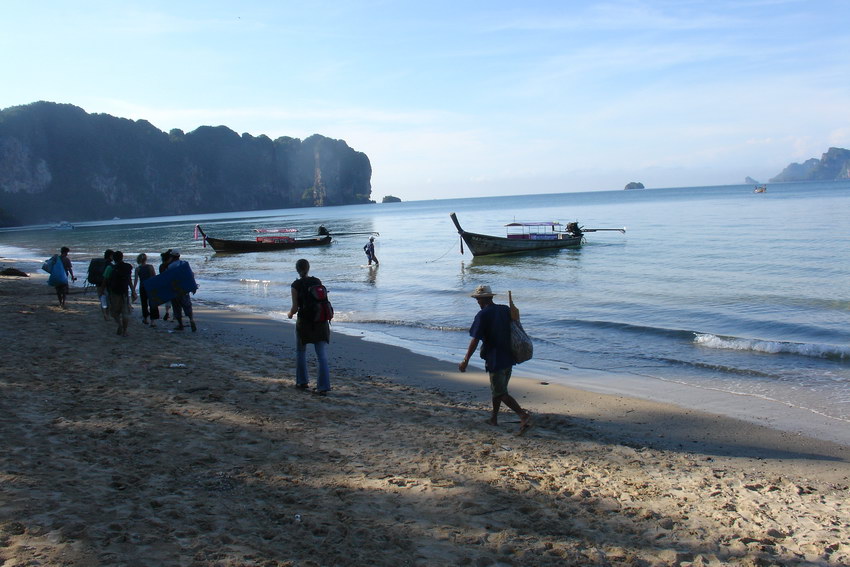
(310, 302)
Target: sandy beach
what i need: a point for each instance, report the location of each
(177, 448)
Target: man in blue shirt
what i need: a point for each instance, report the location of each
(492, 326)
(369, 248)
(182, 303)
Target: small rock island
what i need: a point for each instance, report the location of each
(634, 185)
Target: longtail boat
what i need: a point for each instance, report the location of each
(262, 243)
(526, 237)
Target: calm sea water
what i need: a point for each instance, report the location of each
(715, 287)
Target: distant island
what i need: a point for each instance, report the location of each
(750, 181)
(634, 185)
(834, 165)
(57, 162)
(391, 199)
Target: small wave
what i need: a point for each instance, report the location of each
(410, 324)
(814, 350)
(628, 327)
(724, 368)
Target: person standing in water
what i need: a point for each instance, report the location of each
(369, 248)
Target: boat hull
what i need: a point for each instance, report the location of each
(485, 244)
(220, 245)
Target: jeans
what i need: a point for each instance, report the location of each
(182, 304)
(323, 382)
(143, 301)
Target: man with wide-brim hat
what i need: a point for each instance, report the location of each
(492, 327)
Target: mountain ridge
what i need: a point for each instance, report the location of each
(833, 165)
(59, 162)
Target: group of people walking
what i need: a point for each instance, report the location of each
(119, 285)
(117, 289)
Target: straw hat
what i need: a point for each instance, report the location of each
(482, 291)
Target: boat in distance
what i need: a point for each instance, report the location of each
(525, 237)
(263, 243)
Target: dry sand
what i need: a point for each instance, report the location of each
(110, 455)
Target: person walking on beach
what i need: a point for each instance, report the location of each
(143, 272)
(492, 327)
(100, 282)
(62, 291)
(182, 304)
(165, 260)
(62, 268)
(308, 330)
(369, 248)
(120, 283)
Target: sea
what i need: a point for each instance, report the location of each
(710, 289)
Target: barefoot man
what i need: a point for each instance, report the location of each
(492, 326)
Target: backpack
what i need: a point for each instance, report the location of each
(121, 278)
(48, 264)
(96, 268)
(317, 307)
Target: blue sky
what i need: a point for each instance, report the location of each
(452, 99)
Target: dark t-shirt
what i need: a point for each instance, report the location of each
(121, 278)
(309, 331)
(145, 271)
(492, 326)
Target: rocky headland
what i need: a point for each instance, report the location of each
(834, 165)
(58, 162)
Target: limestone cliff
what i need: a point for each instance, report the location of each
(59, 162)
(833, 165)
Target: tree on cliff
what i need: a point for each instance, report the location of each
(59, 162)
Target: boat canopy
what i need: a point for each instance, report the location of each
(535, 224)
(533, 230)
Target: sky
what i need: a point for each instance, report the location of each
(464, 98)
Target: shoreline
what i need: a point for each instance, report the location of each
(755, 409)
(429, 372)
(623, 418)
(117, 456)
(764, 411)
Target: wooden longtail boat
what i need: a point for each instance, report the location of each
(262, 243)
(525, 237)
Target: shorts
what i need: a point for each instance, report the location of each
(499, 381)
(119, 304)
